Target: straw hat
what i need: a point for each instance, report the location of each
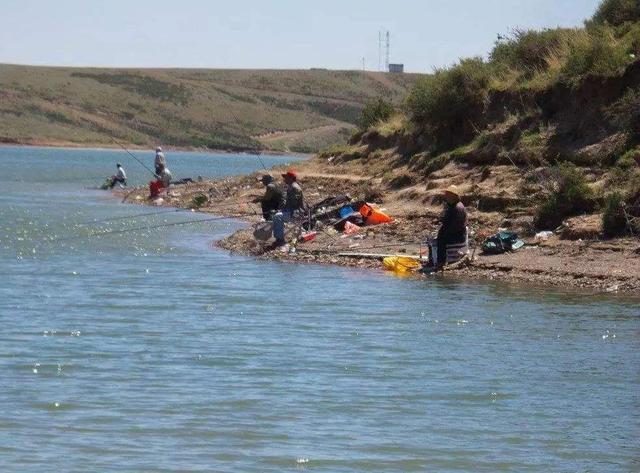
(453, 190)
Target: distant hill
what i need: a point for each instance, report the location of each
(292, 110)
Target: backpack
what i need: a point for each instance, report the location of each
(502, 242)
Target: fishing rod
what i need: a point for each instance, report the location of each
(161, 212)
(371, 247)
(145, 227)
(262, 162)
(124, 217)
(132, 155)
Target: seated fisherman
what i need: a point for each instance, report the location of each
(453, 229)
(293, 205)
(119, 178)
(272, 200)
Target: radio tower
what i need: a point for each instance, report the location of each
(388, 53)
(379, 50)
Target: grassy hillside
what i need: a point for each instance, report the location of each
(561, 106)
(230, 109)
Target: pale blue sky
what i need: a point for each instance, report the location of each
(266, 34)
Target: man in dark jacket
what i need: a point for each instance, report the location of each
(273, 198)
(454, 224)
(294, 205)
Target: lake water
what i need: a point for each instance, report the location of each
(152, 351)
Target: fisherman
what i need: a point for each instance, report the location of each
(272, 200)
(119, 178)
(293, 206)
(159, 160)
(164, 176)
(453, 229)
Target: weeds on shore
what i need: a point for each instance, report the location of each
(374, 113)
(614, 222)
(570, 195)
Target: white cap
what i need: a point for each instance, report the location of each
(158, 149)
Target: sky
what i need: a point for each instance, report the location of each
(281, 34)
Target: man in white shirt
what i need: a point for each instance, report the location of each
(164, 176)
(119, 178)
(160, 161)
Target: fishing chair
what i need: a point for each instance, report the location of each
(455, 251)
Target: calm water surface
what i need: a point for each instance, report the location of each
(152, 351)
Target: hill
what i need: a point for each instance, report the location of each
(543, 133)
(292, 110)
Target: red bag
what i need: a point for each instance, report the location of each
(155, 188)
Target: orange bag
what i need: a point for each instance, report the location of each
(373, 216)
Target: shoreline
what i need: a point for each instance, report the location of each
(605, 267)
(129, 146)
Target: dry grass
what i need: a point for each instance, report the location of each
(185, 107)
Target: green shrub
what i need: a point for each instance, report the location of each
(571, 195)
(436, 163)
(627, 161)
(450, 105)
(198, 201)
(614, 222)
(335, 150)
(625, 113)
(594, 52)
(375, 112)
(617, 12)
(526, 51)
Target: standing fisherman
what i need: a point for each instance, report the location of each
(160, 161)
(272, 200)
(294, 204)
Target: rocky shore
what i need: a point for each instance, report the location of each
(584, 261)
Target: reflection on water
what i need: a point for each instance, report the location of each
(153, 351)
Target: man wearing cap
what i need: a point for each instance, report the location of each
(119, 178)
(454, 224)
(295, 199)
(160, 161)
(294, 203)
(272, 200)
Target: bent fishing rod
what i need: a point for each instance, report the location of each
(160, 212)
(124, 217)
(132, 155)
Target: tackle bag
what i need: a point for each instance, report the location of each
(502, 242)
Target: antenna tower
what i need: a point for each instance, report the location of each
(379, 50)
(388, 52)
